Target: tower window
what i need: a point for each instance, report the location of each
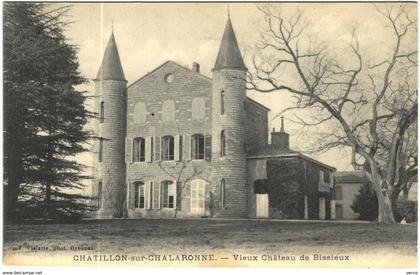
(197, 146)
(222, 102)
(222, 144)
(99, 194)
(222, 193)
(101, 149)
(139, 150)
(102, 112)
(168, 194)
(139, 195)
(168, 148)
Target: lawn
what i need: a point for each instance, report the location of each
(272, 243)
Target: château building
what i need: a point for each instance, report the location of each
(179, 143)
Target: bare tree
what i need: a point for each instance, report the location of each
(181, 172)
(368, 106)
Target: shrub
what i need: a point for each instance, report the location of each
(407, 209)
(366, 204)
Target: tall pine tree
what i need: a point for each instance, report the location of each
(44, 116)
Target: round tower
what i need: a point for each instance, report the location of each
(228, 128)
(109, 160)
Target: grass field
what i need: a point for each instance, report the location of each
(227, 237)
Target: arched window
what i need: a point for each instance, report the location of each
(102, 113)
(222, 193)
(168, 110)
(139, 195)
(138, 150)
(222, 144)
(168, 194)
(140, 112)
(101, 149)
(222, 102)
(99, 194)
(197, 146)
(168, 148)
(198, 108)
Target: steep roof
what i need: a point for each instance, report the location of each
(229, 56)
(351, 177)
(111, 68)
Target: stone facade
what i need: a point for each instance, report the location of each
(285, 172)
(347, 186)
(177, 143)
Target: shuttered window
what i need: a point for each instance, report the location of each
(168, 194)
(167, 148)
(150, 194)
(197, 146)
(156, 147)
(139, 150)
(139, 198)
(208, 148)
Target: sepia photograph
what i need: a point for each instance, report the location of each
(200, 134)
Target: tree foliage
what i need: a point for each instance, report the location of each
(370, 105)
(44, 116)
(365, 204)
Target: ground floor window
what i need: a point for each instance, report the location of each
(198, 197)
(139, 199)
(168, 194)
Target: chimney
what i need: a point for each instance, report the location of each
(280, 139)
(196, 67)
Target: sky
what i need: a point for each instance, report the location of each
(148, 34)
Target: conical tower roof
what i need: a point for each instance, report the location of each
(229, 56)
(111, 68)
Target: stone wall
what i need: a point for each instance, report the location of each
(303, 175)
(256, 126)
(232, 166)
(111, 171)
(154, 89)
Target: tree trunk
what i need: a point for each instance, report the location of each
(14, 173)
(385, 213)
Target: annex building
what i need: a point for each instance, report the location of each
(179, 143)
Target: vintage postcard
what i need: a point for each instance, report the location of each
(210, 134)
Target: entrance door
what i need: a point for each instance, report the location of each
(198, 197)
(262, 205)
